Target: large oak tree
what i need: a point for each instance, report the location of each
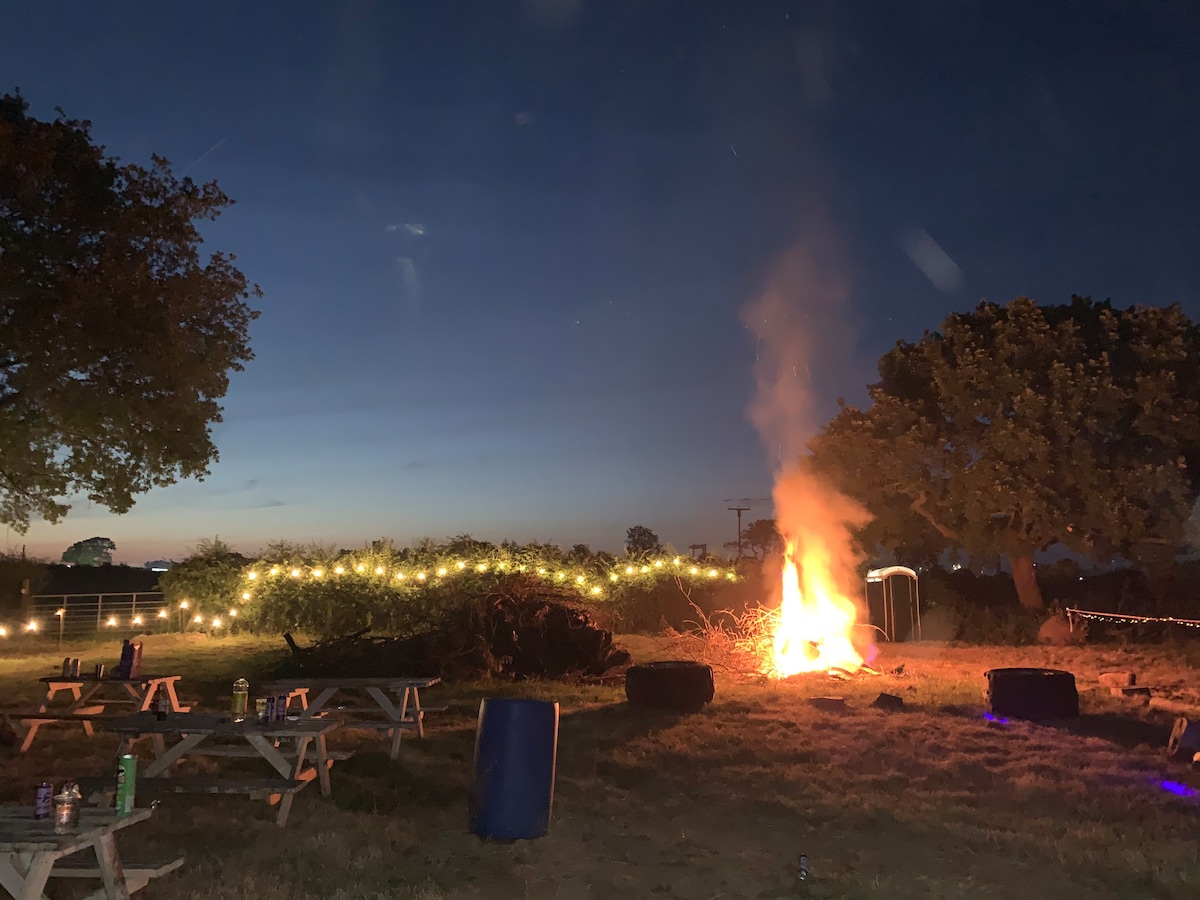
(1021, 426)
(117, 337)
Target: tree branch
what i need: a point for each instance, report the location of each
(918, 506)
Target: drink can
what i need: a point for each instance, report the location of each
(45, 797)
(270, 717)
(802, 872)
(74, 668)
(99, 672)
(66, 670)
(126, 784)
(281, 705)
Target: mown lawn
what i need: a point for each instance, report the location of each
(932, 801)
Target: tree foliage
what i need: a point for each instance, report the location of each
(116, 337)
(96, 551)
(762, 537)
(1017, 427)
(640, 539)
(209, 580)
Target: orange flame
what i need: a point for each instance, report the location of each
(815, 631)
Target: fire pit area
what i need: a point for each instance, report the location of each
(928, 799)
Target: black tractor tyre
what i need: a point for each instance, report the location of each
(678, 684)
(1032, 693)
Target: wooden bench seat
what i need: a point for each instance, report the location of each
(139, 870)
(35, 720)
(243, 752)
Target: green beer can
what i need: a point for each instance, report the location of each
(126, 783)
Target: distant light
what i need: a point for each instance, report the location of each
(421, 576)
(629, 570)
(645, 569)
(216, 623)
(112, 621)
(31, 626)
(137, 620)
(999, 720)
(199, 620)
(360, 568)
(274, 570)
(579, 579)
(252, 575)
(3, 631)
(712, 573)
(158, 568)
(460, 565)
(440, 572)
(658, 564)
(613, 577)
(295, 573)
(317, 573)
(339, 571)
(379, 570)
(482, 567)
(595, 590)
(245, 595)
(399, 576)
(183, 604)
(61, 612)
(694, 570)
(233, 614)
(162, 613)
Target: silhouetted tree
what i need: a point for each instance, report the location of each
(1017, 427)
(640, 539)
(96, 551)
(116, 337)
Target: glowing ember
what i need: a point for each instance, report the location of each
(815, 627)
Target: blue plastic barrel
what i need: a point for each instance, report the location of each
(516, 747)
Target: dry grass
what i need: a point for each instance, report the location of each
(933, 801)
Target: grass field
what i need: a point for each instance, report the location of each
(932, 801)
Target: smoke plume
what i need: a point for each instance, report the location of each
(804, 339)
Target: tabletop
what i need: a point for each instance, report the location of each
(107, 679)
(390, 683)
(20, 832)
(212, 723)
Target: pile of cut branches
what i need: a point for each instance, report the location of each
(520, 629)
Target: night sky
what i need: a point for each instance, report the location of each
(504, 245)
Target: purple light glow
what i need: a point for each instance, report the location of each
(993, 718)
(1179, 789)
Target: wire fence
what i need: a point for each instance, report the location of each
(88, 615)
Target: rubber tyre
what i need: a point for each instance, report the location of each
(1034, 694)
(678, 684)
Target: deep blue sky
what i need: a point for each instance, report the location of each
(504, 244)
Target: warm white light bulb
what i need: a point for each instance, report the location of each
(162, 613)
(252, 575)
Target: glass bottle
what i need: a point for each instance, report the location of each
(241, 692)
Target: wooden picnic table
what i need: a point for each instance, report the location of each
(142, 690)
(31, 853)
(250, 738)
(400, 715)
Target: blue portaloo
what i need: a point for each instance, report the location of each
(516, 748)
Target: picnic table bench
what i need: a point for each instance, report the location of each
(140, 690)
(251, 738)
(31, 854)
(403, 713)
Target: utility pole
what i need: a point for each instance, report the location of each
(739, 510)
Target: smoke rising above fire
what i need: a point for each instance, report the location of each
(803, 331)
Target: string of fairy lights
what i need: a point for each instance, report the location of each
(256, 580)
(1126, 619)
